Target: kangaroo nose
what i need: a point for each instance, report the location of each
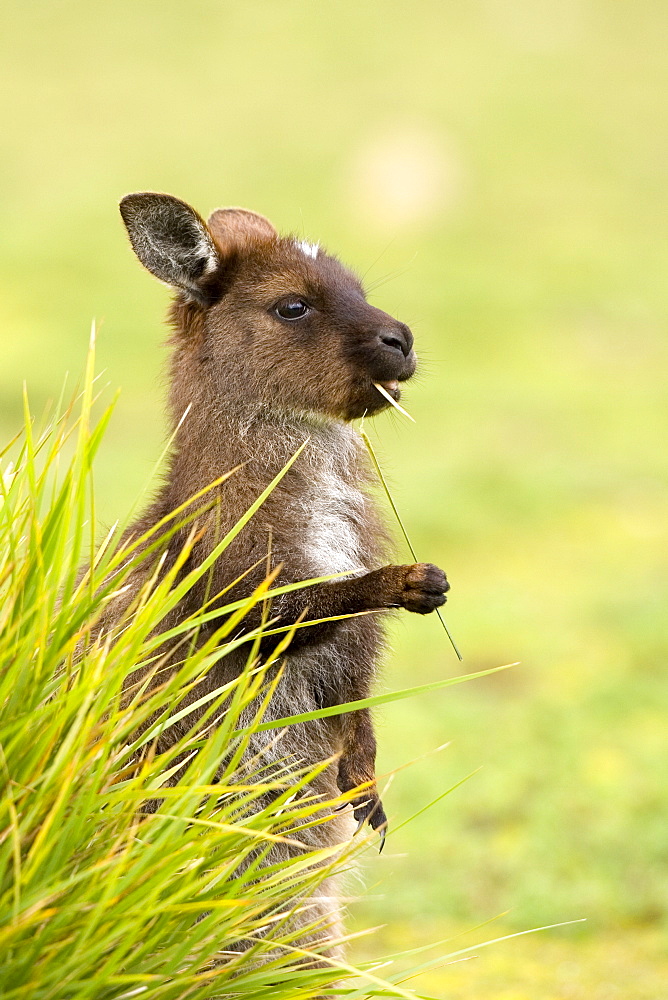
(397, 338)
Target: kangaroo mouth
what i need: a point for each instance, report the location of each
(392, 387)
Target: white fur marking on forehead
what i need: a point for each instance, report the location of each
(308, 249)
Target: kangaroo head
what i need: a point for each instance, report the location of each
(286, 317)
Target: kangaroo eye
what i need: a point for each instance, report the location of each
(291, 309)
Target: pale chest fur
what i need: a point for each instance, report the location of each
(337, 516)
(333, 541)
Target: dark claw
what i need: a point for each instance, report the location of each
(371, 811)
(362, 811)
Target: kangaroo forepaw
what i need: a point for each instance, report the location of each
(425, 587)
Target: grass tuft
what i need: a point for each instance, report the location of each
(101, 898)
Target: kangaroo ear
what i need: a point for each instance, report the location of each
(171, 240)
(232, 228)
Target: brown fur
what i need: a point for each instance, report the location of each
(257, 386)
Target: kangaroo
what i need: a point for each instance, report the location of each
(274, 343)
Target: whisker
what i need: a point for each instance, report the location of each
(392, 274)
(381, 254)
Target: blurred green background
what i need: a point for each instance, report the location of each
(496, 169)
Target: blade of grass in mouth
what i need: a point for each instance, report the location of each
(383, 391)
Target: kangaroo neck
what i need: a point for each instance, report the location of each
(259, 441)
